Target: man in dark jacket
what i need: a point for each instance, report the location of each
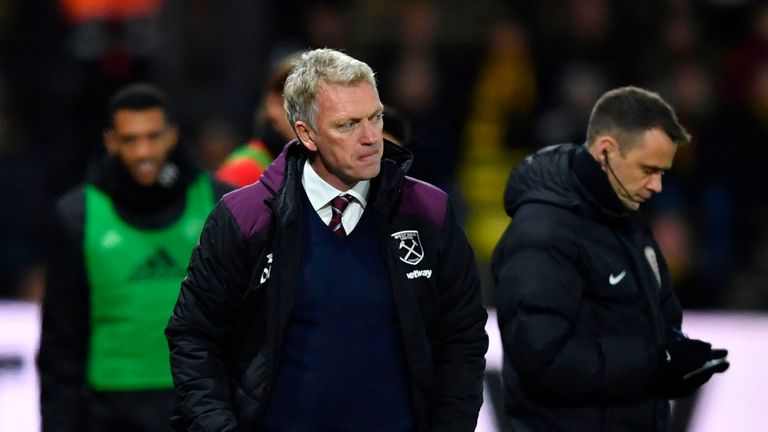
(589, 322)
(122, 240)
(300, 315)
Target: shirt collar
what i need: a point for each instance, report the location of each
(320, 193)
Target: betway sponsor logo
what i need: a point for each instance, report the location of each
(419, 273)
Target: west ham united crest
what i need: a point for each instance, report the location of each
(408, 246)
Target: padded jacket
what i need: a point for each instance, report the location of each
(584, 301)
(234, 307)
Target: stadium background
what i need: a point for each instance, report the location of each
(484, 83)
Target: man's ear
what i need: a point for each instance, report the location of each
(110, 143)
(604, 145)
(172, 135)
(306, 135)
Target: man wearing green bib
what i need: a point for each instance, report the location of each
(122, 243)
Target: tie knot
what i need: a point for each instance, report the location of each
(341, 202)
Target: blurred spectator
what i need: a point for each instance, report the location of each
(693, 220)
(428, 80)
(742, 61)
(108, 43)
(271, 131)
(121, 244)
(748, 174)
(415, 89)
(213, 66)
(743, 121)
(497, 134)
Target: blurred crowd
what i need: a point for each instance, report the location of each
(483, 83)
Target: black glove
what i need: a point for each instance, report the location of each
(686, 364)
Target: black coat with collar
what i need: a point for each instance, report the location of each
(228, 326)
(584, 301)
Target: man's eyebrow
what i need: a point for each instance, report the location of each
(378, 111)
(346, 120)
(656, 168)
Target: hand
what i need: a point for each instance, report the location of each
(683, 366)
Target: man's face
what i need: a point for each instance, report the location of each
(641, 168)
(142, 140)
(347, 144)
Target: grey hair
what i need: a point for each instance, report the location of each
(315, 68)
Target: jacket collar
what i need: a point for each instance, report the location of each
(283, 179)
(593, 184)
(566, 176)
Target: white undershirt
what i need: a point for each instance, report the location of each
(320, 195)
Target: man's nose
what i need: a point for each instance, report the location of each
(655, 183)
(146, 146)
(371, 132)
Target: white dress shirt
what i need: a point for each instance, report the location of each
(320, 194)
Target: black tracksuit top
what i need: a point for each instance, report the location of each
(584, 301)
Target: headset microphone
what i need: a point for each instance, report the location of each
(626, 192)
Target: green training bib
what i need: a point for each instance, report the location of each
(134, 278)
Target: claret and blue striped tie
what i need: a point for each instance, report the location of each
(338, 205)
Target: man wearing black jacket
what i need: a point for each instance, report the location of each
(335, 294)
(122, 242)
(589, 322)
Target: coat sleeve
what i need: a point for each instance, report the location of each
(201, 327)
(539, 292)
(63, 349)
(459, 355)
